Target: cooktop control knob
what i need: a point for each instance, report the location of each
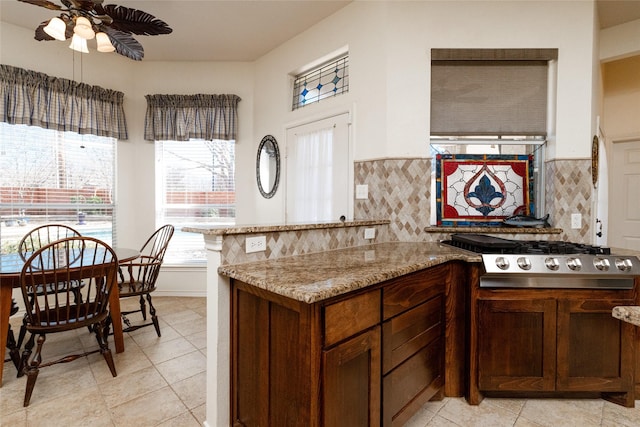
(524, 263)
(502, 263)
(552, 263)
(623, 264)
(574, 264)
(601, 264)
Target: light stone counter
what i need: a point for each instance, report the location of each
(627, 313)
(221, 230)
(315, 277)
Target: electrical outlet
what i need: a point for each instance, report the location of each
(576, 221)
(255, 244)
(369, 256)
(362, 191)
(369, 233)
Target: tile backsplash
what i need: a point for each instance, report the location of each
(400, 190)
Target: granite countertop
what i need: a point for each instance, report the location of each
(315, 277)
(221, 230)
(627, 313)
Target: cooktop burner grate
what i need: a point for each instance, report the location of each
(481, 243)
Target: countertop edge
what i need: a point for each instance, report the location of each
(627, 313)
(217, 230)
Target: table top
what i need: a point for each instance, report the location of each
(11, 264)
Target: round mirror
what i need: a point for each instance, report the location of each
(268, 166)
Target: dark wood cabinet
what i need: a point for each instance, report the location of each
(351, 381)
(552, 341)
(595, 350)
(517, 344)
(367, 358)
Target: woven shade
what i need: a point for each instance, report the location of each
(474, 94)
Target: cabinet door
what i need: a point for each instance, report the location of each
(516, 344)
(351, 382)
(595, 350)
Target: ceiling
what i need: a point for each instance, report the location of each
(241, 30)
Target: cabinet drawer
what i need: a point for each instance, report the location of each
(351, 316)
(412, 384)
(406, 334)
(403, 293)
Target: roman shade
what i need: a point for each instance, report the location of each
(476, 92)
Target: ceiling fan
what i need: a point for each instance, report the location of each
(111, 25)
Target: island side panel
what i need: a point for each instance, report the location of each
(275, 370)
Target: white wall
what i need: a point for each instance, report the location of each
(620, 41)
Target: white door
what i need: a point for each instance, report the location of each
(624, 207)
(319, 180)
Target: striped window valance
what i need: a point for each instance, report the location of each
(182, 117)
(36, 99)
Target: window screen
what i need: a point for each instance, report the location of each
(50, 176)
(489, 91)
(195, 186)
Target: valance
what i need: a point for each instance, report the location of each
(36, 99)
(182, 117)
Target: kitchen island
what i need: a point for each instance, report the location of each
(328, 286)
(354, 336)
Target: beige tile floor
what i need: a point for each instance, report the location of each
(161, 382)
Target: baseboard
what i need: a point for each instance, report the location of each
(176, 293)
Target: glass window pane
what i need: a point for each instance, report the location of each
(196, 186)
(55, 177)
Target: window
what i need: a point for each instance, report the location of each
(493, 102)
(321, 82)
(195, 186)
(52, 176)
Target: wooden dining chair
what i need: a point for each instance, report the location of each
(138, 277)
(36, 239)
(57, 309)
(12, 345)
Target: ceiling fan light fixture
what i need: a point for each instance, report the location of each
(56, 28)
(103, 42)
(79, 44)
(81, 19)
(83, 28)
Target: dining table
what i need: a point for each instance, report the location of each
(10, 270)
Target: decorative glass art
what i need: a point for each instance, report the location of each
(323, 82)
(473, 190)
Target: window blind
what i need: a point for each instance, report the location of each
(50, 176)
(489, 91)
(195, 186)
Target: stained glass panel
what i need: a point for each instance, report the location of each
(483, 189)
(323, 82)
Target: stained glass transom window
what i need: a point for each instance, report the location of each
(322, 82)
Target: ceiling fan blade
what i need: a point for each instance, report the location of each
(135, 21)
(43, 3)
(125, 44)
